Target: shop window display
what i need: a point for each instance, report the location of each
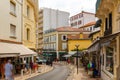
(109, 59)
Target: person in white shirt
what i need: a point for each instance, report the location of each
(9, 71)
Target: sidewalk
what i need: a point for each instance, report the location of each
(42, 69)
(82, 74)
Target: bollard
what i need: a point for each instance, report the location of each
(22, 73)
(30, 71)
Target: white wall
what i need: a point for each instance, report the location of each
(54, 18)
(6, 19)
(88, 18)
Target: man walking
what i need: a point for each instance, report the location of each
(9, 71)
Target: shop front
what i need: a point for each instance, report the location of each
(17, 53)
(110, 52)
(94, 56)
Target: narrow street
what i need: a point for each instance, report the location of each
(60, 72)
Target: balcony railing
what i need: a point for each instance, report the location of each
(108, 32)
(98, 4)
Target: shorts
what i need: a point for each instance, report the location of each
(9, 77)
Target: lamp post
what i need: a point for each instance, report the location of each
(77, 56)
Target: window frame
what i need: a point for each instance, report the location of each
(106, 64)
(12, 34)
(63, 36)
(64, 46)
(12, 12)
(28, 11)
(28, 34)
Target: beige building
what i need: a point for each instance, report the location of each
(11, 28)
(10, 25)
(30, 17)
(55, 41)
(109, 12)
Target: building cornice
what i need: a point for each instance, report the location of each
(9, 41)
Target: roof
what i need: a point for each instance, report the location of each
(88, 24)
(68, 29)
(82, 13)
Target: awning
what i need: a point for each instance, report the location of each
(106, 40)
(98, 23)
(10, 49)
(9, 55)
(94, 46)
(69, 54)
(6, 50)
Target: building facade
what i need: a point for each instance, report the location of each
(83, 43)
(11, 37)
(11, 20)
(81, 19)
(53, 19)
(109, 13)
(88, 27)
(49, 19)
(56, 40)
(40, 32)
(30, 17)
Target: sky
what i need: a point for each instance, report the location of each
(71, 6)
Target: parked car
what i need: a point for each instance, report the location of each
(40, 61)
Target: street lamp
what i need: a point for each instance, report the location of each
(77, 56)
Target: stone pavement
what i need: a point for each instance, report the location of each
(42, 69)
(82, 74)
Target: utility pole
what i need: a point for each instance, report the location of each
(77, 57)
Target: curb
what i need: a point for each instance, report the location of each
(41, 73)
(34, 74)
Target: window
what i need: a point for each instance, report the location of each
(28, 11)
(12, 8)
(54, 46)
(106, 23)
(28, 34)
(103, 60)
(90, 28)
(109, 59)
(64, 37)
(12, 30)
(79, 22)
(64, 46)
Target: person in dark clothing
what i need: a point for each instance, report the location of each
(95, 72)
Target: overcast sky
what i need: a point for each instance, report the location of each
(71, 6)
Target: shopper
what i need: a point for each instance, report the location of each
(2, 69)
(9, 75)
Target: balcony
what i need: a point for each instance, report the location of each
(104, 7)
(98, 4)
(108, 32)
(40, 31)
(40, 37)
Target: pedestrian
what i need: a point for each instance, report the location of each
(2, 69)
(9, 75)
(31, 65)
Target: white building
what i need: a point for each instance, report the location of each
(53, 19)
(81, 19)
(11, 22)
(50, 19)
